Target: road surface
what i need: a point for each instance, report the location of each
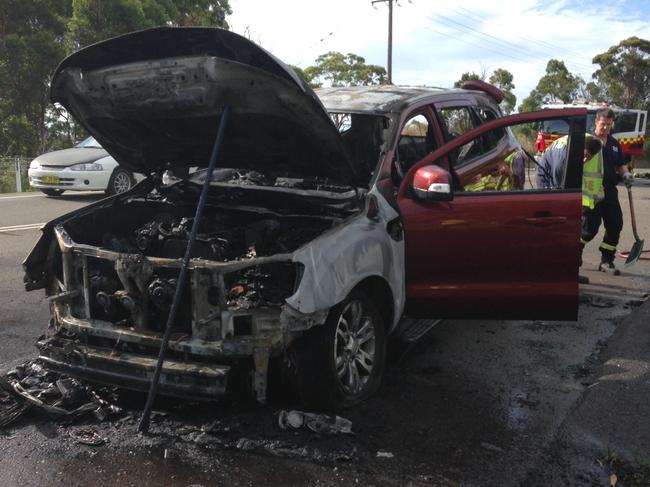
(475, 402)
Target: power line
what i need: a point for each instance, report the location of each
(463, 27)
(544, 44)
(500, 53)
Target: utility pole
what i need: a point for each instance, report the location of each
(390, 37)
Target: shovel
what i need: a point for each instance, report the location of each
(637, 248)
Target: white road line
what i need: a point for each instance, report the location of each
(18, 197)
(16, 228)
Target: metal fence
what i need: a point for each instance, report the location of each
(13, 174)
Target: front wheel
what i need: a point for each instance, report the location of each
(341, 363)
(121, 180)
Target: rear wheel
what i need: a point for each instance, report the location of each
(341, 363)
(52, 192)
(121, 181)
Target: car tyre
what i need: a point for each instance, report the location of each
(341, 363)
(121, 181)
(52, 192)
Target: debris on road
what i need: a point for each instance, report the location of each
(491, 447)
(30, 386)
(318, 423)
(87, 436)
(384, 454)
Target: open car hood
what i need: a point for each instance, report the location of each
(154, 99)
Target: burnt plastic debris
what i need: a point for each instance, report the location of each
(318, 423)
(30, 387)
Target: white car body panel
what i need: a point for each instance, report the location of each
(337, 261)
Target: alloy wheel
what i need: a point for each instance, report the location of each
(354, 347)
(121, 182)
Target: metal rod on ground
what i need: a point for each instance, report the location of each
(143, 425)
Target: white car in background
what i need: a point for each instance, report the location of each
(84, 167)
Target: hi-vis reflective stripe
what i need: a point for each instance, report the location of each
(605, 246)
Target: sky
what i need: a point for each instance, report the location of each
(435, 42)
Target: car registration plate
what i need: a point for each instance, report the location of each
(50, 179)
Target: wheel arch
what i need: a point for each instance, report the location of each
(109, 189)
(378, 289)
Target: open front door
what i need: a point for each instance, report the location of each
(504, 242)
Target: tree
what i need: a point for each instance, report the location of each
(532, 102)
(502, 79)
(624, 73)
(96, 20)
(199, 12)
(336, 69)
(468, 77)
(31, 45)
(558, 84)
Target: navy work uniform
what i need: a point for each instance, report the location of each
(608, 209)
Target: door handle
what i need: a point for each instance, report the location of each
(544, 221)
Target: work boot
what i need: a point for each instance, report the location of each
(583, 279)
(609, 267)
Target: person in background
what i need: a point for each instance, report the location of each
(552, 165)
(606, 208)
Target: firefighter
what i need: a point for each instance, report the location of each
(552, 165)
(605, 208)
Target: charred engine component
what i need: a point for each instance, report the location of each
(161, 292)
(120, 304)
(151, 233)
(134, 271)
(262, 285)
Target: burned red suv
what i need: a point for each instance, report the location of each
(333, 220)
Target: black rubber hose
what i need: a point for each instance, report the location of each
(143, 425)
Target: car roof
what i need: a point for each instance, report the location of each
(381, 99)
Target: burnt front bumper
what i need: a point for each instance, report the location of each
(188, 380)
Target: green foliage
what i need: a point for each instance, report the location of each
(300, 72)
(502, 79)
(558, 84)
(35, 36)
(31, 46)
(526, 135)
(199, 12)
(96, 20)
(337, 69)
(468, 77)
(532, 102)
(624, 73)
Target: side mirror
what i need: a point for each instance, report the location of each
(432, 183)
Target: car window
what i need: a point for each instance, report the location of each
(362, 135)
(415, 142)
(625, 122)
(456, 121)
(513, 168)
(89, 143)
(492, 138)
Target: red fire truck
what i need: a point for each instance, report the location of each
(629, 127)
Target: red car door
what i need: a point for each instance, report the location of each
(495, 250)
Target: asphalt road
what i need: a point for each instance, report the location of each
(473, 403)
(24, 315)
